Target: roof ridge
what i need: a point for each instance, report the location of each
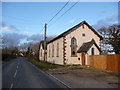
(67, 31)
(60, 35)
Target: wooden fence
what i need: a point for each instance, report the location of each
(105, 62)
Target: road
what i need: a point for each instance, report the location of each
(19, 73)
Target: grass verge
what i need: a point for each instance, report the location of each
(43, 65)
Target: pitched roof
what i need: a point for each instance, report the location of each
(74, 28)
(42, 43)
(86, 46)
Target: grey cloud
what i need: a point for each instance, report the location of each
(6, 28)
(9, 28)
(100, 24)
(112, 18)
(2, 24)
(106, 22)
(38, 37)
(35, 38)
(12, 39)
(51, 37)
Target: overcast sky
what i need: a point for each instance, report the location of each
(28, 18)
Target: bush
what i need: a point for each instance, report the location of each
(7, 57)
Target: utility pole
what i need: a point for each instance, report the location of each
(45, 42)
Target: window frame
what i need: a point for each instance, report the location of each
(75, 47)
(53, 50)
(57, 49)
(49, 51)
(92, 51)
(41, 52)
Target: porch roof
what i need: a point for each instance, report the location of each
(86, 46)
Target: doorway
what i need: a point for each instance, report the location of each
(83, 59)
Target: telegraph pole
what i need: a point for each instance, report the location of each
(45, 42)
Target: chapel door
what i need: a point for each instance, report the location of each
(83, 59)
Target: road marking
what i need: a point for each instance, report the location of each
(11, 85)
(51, 76)
(15, 73)
(17, 66)
(37, 68)
(18, 63)
(60, 81)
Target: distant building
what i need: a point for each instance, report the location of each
(73, 46)
(41, 51)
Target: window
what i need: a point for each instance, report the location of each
(83, 25)
(92, 51)
(73, 47)
(83, 35)
(52, 50)
(41, 52)
(49, 51)
(57, 49)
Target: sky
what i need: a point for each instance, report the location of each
(24, 21)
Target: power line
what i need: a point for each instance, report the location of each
(41, 33)
(67, 10)
(41, 30)
(58, 12)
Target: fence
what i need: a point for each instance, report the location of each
(105, 62)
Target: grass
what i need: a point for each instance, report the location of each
(44, 65)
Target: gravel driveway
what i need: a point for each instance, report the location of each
(85, 77)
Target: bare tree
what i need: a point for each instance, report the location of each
(111, 41)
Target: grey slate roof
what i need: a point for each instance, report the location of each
(86, 46)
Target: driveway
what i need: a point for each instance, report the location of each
(84, 77)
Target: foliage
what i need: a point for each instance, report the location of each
(7, 57)
(111, 37)
(9, 53)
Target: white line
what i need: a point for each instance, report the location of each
(15, 73)
(37, 68)
(18, 63)
(11, 85)
(59, 81)
(17, 66)
(51, 76)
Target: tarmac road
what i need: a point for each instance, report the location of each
(19, 73)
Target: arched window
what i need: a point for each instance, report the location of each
(73, 46)
(57, 49)
(41, 52)
(49, 51)
(92, 51)
(52, 50)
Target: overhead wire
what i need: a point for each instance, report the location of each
(41, 30)
(67, 11)
(58, 12)
(55, 15)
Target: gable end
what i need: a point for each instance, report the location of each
(74, 28)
